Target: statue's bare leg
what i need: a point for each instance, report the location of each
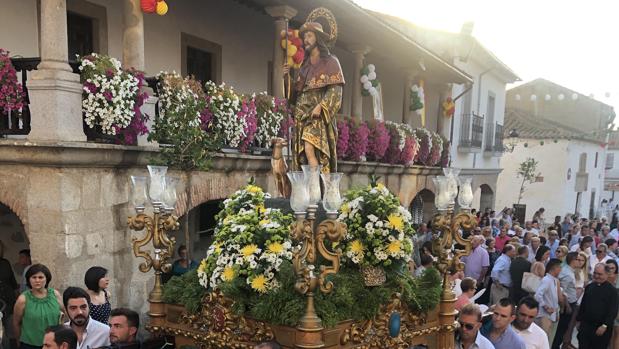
(310, 153)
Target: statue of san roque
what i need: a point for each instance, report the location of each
(317, 93)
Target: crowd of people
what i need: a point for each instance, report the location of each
(537, 284)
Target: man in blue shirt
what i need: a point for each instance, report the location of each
(553, 242)
(499, 332)
(501, 278)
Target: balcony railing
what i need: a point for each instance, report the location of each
(471, 131)
(18, 122)
(498, 138)
(477, 132)
(489, 139)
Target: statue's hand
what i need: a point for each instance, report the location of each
(316, 111)
(286, 69)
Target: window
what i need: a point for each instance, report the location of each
(80, 34)
(200, 58)
(595, 165)
(582, 163)
(610, 160)
(86, 28)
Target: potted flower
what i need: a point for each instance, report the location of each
(358, 140)
(111, 99)
(11, 91)
(229, 122)
(343, 136)
(378, 140)
(272, 112)
(437, 149)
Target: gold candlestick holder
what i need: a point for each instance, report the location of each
(304, 263)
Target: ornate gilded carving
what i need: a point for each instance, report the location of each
(375, 333)
(217, 326)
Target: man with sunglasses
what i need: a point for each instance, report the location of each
(468, 336)
(499, 331)
(532, 335)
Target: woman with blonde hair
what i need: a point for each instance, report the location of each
(561, 253)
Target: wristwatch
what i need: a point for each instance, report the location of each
(604, 325)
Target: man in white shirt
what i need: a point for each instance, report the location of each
(532, 335)
(600, 256)
(468, 335)
(90, 333)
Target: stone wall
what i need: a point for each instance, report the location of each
(73, 201)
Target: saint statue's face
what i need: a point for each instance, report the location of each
(309, 40)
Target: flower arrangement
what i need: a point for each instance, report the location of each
(110, 93)
(249, 114)
(358, 140)
(286, 127)
(378, 141)
(417, 99)
(137, 127)
(225, 106)
(343, 136)
(379, 229)
(424, 137)
(368, 80)
(251, 242)
(271, 113)
(437, 149)
(396, 144)
(11, 91)
(182, 123)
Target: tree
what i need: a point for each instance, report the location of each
(527, 172)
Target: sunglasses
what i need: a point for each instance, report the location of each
(468, 327)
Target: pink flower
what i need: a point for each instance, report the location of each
(409, 151)
(343, 135)
(358, 141)
(378, 141)
(11, 91)
(393, 153)
(248, 112)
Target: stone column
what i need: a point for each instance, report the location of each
(55, 92)
(359, 53)
(410, 117)
(282, 15)
(133, 35)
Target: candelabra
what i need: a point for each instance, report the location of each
(447, 226)
(162, 193)
(304, 200)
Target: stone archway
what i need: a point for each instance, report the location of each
(13, 238)
(486, 199)
(422, 207)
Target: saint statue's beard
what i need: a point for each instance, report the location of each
(309, 48)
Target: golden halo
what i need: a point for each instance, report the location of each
(328, 15)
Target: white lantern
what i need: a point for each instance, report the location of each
(574, 96)
(547, 97)
(561, 96)
(533, 98)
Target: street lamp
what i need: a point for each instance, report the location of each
(447, 226)
(513, 141)
(304, 199)
(161, 191)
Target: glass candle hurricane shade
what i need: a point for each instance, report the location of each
(169, 194)
(157, 182)
(332, 200)
(139, 195)
(442, 198)
(465, 198)
(312, 175)
(299, 195)
(452, 182)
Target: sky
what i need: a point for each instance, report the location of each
(572, 43)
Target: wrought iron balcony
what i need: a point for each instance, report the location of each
(471, 132)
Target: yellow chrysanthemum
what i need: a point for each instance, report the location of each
(228, 274)
(264, 222)
(380, 186)
(275, 247)
(254, 189)
(227, 220)
(345, 208)
(249, 250)
(261, 208)
(356, 247)
(217, 247)
(259, 283)
(202, 267)
(394, 247)
(396, 222)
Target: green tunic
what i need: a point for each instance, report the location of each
(39, 314)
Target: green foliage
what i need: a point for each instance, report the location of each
(350, 298)
(526, 171)
(185, 290)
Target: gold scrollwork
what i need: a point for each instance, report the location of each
(333, 231)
